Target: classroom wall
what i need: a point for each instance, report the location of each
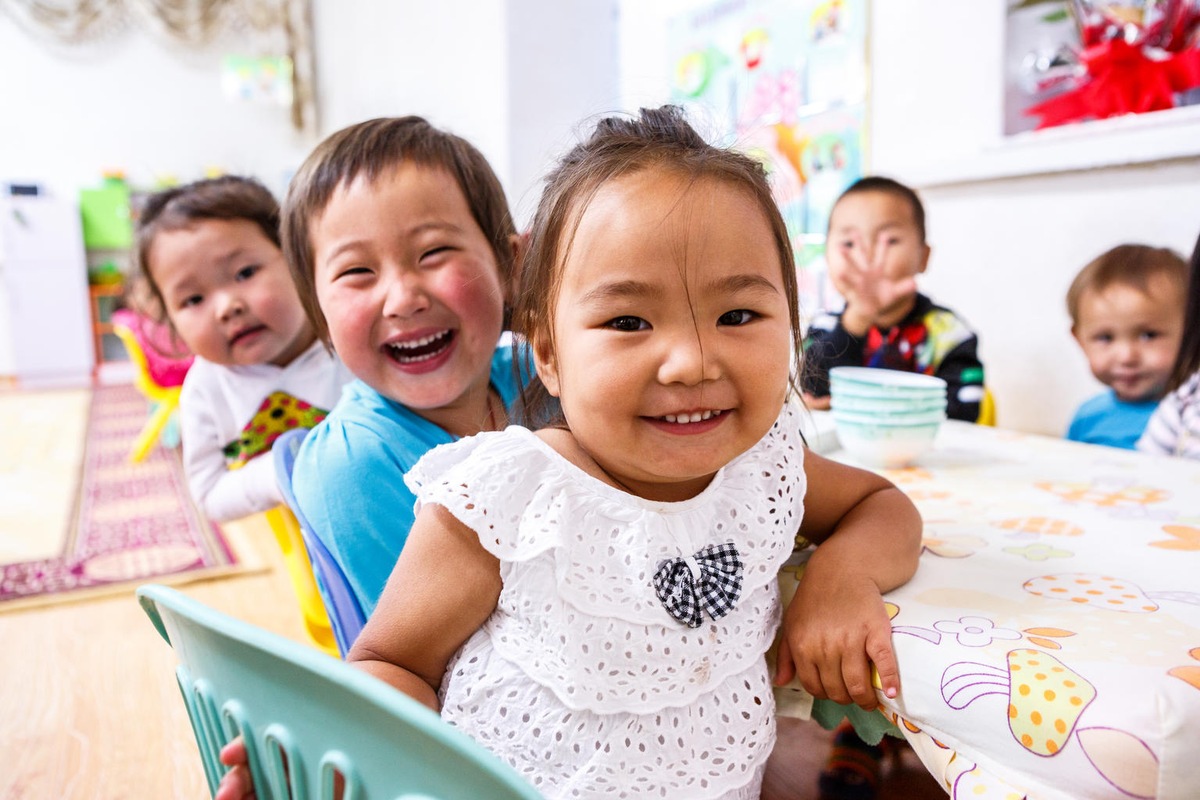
(139, 104)
(1010, 221)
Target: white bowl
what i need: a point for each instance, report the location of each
(884, 381)
(887, 446)
(886, 406)
(865, 392)
(890, 419)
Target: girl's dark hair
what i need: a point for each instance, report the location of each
(230, 197)
(370, 149)
(619, 146)
(1187, 361)
(878, 183)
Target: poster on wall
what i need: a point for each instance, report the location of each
(1075, 61)
(786, 82)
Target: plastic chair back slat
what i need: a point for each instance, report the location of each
(288, 698)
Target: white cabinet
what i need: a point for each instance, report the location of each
(44, 309)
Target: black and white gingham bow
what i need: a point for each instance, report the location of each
(710, 579)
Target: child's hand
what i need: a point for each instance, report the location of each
(864, 283)
(237, 783)
(834, 632)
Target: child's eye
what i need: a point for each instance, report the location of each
(247, 272)
(435, 251)
(191, 300)
(349, 272)
(1149, 336)
(1103, 338)
(628, 323)
(738, 316)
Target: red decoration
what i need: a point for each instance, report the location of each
(1129, 64)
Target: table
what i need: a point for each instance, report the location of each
(1049, 644)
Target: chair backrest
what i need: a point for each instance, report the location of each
(148, 343)
(307, 718)
(345, 614)
(987, 409)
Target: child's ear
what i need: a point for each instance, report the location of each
(545, 363)
(925, 258)
(519, 243)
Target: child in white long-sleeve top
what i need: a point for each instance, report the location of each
(211, 253)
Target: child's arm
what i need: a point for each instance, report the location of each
(869, 536)
(222, 494)
(444, 587)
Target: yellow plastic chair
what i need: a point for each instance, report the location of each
(987, 409)
(286, 528)
(163, 399)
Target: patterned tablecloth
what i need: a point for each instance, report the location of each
(1049, 644)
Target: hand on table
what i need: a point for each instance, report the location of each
(834, 632)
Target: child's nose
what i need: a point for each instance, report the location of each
(686, 360)
(405, 296)
(229, 304)
(1127, 351)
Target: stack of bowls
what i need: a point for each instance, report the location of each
(883, 417)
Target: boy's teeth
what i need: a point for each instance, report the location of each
(695, 416)
(423, 349)
(415, 343)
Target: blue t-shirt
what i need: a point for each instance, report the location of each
(1108, 420)
(349, 477)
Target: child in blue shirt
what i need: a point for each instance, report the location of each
(1126, 310)
(403, 249)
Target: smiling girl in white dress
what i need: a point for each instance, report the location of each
(592, 600)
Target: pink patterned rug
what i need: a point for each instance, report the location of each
(132, 522)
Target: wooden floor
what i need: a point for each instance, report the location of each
(88, 702)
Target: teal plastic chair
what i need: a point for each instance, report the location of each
(307, 717)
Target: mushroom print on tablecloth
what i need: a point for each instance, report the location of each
(1104, 591)
(1046, 699)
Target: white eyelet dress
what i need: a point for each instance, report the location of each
(581, 679)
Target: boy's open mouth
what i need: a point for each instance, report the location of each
(417, 350)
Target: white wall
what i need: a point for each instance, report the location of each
(132, 103)
(1006, 243)
(511, 76)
